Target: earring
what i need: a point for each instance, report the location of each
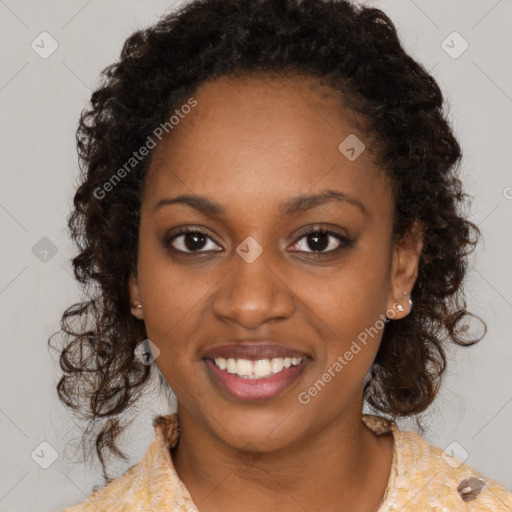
(399, 307)
(410, 301)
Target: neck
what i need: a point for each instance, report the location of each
(343, 466)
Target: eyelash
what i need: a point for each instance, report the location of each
(344, 241)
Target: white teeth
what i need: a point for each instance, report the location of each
(244, 367)
(262, 368)
(258, 369)
(231, 366)
(221, 363)
(276, 365)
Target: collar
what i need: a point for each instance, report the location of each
(169, 428)
(163, 481)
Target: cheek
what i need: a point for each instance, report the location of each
(351, 334)
(171, 301)
(349, 309)
(171, 292)
(177, 316)
(347, 298)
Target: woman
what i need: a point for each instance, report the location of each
(230, 140)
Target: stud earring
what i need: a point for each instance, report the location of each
(410, 300)
(399, 307)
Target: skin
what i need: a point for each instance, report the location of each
(250, 144)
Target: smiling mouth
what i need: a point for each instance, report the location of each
(258, 369)
(254, 371)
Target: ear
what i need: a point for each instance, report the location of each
(135, 301)
(404, 271)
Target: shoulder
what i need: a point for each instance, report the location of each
(152, 484)
(432, 479)
(124, 489)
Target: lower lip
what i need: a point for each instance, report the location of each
(255, 389)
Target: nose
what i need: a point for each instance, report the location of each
(253, 293)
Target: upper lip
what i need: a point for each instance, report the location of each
(252, 351)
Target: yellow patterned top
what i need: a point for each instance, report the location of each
(423, 478)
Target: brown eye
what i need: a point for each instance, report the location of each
(191, 240)
(321, 241)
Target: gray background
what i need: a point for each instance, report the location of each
(40, 104)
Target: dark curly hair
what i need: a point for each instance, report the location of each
(356, 50)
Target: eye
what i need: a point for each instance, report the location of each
(190, 240)
(194, 240)
(321, 241)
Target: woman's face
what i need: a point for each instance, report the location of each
(260, 326)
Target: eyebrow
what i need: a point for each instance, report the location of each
(289, 207)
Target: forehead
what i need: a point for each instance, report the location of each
(252, 138)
